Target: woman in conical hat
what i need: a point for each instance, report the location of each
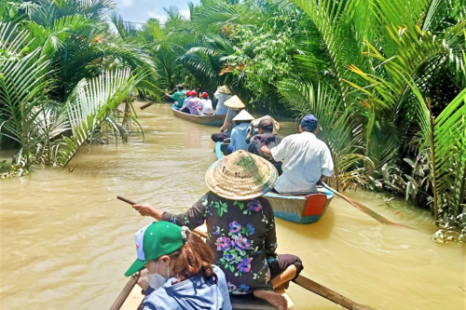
(240, 225)
(235, 105)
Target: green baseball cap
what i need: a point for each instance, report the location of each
(153, 241)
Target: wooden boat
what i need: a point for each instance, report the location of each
(293, 208)
(135, 298)
(211, 120)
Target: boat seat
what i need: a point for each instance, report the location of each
(250, 302)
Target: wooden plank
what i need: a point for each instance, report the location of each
(253, 303)
(134, 299)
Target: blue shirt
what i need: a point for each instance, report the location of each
(238, 137)
(191, 294)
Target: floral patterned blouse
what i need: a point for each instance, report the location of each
(242, 236)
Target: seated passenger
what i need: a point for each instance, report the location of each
(205, 105)
(268, 138)
(179, 96)
(191, 104)
(234, 105)
(306, 159)
(241, 226)
(222, 94)
(240, 132)
(179, 270)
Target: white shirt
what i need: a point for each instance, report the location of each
(206, 107)
(221, 108)
(305, 158)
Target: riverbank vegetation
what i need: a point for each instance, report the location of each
(386, 79)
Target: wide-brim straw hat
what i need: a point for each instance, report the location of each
(276, 125)
(234, 103)
(241, 176)
(224, 90)
(243, 116)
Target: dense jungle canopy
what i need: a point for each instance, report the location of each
(386, 78)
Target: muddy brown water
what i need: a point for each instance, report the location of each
(66, 241)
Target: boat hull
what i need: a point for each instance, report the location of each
(292, 208)
(210, 120)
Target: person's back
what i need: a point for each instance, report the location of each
(205, 105)
(305, 160)
(222, 94)
(179, 96)
(264, 137)
(194, 293)
(192, 104)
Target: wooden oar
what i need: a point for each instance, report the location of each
(124, 293)
(365, 209)
(147, 105)
(197, 231)
(327, 293)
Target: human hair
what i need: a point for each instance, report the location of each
(266, 125)
(310, 128)
(193, 258)
(179, 87)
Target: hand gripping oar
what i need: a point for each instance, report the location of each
(365, 209)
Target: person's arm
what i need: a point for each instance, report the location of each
(192, 218)
(277, 153)
(250, 133)
(271, 237)
(226, 124)
(327, 163)
(223, 287)
(233, 139)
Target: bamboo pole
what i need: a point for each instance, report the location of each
(147, 105)
(432, 154)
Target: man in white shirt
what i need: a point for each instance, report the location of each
(305, 159)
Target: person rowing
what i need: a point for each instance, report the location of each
(241, 226)
(179, 96)
(176, 270)
(235, 105)
(306, 159)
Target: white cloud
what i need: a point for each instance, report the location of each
(162, 17)
(127, 3)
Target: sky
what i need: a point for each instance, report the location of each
(140, 11)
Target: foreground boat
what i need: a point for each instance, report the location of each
(133, 299)
(297, 209)
(211, 120)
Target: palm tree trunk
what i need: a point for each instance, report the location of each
(432, 153)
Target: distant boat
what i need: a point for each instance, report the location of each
(297, 209)
(211, 120)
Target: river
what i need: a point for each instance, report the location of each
(66, 241)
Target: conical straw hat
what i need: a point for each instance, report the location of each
(224, 90)
(241, 176)
(276, 125)
(234, 103)
(243, 116)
